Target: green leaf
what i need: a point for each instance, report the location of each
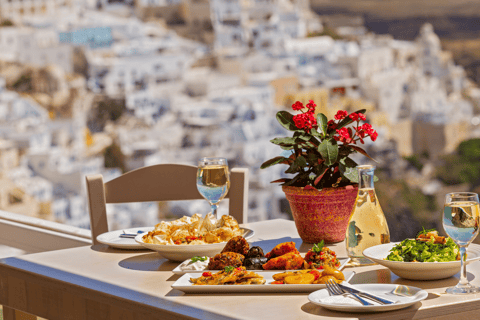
(287, 141)
(301, 135)
(301, 161)
(329, 151)
(286, 147)
(229, 269)
(293, 168)
(308, 144)
(198, 258)
(318, 247)
(322, 123)
(285, 118)
(348, 162)
(360, 150)
(272, 162)
(349, 173)
(315, 133)
(280, 180)
(292, 181)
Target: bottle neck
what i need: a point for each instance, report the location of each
(366, 175)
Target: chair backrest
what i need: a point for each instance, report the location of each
(162, 182)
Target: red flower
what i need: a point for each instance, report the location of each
(362, 116)
(374, 135)
(299, 120)
(311, 105)
(354, 116)
(297, 106)
(305, 121)
(341, 114)
(368, 128)
(344, 133)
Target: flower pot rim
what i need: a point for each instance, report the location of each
(316, 191)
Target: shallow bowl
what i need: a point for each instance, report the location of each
(419, 270)
(184, 252)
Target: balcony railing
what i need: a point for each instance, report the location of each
(36, 235)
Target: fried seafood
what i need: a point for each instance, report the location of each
(281, 249)
(229, 276)
(289, 261)
(237, 244)
(225, 259)
(194, 230)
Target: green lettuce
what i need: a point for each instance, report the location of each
(411, 250)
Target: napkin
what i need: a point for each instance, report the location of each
(344, 299)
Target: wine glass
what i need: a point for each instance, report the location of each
(461, 216)
(213, 180)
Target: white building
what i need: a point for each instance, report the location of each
(38, 47)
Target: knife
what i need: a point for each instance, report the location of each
(366, 294)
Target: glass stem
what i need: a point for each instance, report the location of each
(463, 266)
(214, 210)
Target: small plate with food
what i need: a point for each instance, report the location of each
(240, 280)
(188, 237)
(284, 256)
(427, 257)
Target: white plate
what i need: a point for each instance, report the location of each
(113, 239)
(177, 270)
(419, 270)
(379, 289)
(184, 284)
(183, 252)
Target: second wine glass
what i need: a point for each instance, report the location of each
(461, 216)
(213, 181)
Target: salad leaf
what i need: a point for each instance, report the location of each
(425, 231)
(318, 246)
(229, 269)
(410, 250)
(198, 258)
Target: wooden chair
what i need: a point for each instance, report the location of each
(163, 182)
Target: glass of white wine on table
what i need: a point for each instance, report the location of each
(213, 181)
(461, 216)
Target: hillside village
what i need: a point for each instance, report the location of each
(173, 81)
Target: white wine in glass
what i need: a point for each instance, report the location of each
(213, 180)
(461, 216)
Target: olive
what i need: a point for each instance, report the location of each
(255, 263)
(255, 252)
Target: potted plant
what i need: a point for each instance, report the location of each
(323, 189)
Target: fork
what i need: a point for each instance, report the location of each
(334, 289)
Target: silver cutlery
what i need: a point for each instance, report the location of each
(365, 294)
(333, 288)
(130, 235)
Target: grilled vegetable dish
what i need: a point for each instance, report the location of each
(320, 256)
(309, 276)
(229, 276)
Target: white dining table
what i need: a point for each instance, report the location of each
(100, 282)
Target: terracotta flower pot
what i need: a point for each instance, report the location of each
(321, 215)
